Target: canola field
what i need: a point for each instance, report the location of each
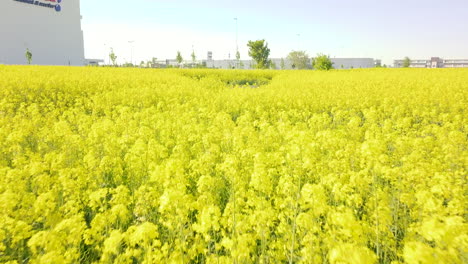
(109, 165)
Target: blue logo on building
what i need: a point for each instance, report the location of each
(58, 8)
(52, 4)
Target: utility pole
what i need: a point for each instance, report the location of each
(131, 51)
(107, 54)
(193, 56)
(341, 52)
(237, 44)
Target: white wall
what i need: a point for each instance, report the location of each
(347, 63)
(54, 38)
(355, 63)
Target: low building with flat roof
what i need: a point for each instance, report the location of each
(286, 64)
(458, 63)
(354, 63)
(434, 62)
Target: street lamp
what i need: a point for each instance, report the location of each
(237, 44)
(131, 51)
(107, 55)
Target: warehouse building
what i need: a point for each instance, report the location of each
(284, 63)
(49, 29)
(354, 63)
(460, 63)
(434, 62)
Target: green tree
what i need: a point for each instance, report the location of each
(322, 62)
(113, 57)
(282, 64)
(300, 59)
(237, 58)
(152, 62)
(406, 62)
(259, 52)
(194, 57)
(28, 55)
(179, 58)
(273, 66)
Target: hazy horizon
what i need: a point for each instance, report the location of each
(385, 30)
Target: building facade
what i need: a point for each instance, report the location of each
(354, 63)
(286, 64)
(434, 62)
(49, 29)
(456, 63)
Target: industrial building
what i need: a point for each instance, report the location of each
(434, 62)
(455, 63)
(283, 63)
(49, 29)
(354, 63)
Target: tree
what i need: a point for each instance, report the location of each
(237, 58)
(273, 65)
(259, 52)
(194, 57)
(282, 64)
(406, 62)
(179, 58)
(322, 62)
(152, 62)
(28, 55)
(299, 58)
(113, 57)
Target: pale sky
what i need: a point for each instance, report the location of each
(385, 29)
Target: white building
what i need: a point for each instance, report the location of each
(459, 63)
(50, 29)
(228, 64)
(354, 63)
(279, 63)
(434, 62)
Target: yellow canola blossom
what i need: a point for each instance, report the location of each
(114, 165)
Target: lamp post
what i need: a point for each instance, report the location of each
(237, 45)
(193, 55)
(131, 51)
(107, 55)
